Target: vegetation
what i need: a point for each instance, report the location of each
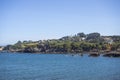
(81, 42)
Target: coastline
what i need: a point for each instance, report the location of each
(89, 53)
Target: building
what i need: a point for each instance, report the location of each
(108, 40)
(1, 48)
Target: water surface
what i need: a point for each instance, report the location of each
(57, 67)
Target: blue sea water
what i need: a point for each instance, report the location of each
(57, 67)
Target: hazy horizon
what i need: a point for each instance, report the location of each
(51, 19)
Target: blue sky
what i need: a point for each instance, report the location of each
(47, 19)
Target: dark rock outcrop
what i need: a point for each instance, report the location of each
(95, 54)
(112, 55)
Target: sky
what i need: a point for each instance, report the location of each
(48, 19)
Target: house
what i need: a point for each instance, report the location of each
(1, 48)
(118, 49)
(108, 40)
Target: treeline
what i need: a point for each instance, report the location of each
(78, 43)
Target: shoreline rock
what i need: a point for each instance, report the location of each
(94, 54)
(90, 54)
(111, 55)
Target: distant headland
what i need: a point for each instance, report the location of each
(93, 43)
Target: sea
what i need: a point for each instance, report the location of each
(35, 66)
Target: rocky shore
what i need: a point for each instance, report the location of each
(90, 54)
(111, 55)
(105, 54)
(94, 44)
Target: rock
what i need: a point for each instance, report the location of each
(112, 55)
(94, 54)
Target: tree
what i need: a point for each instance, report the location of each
(67, 46)
(18, 43)
(93, 36)
(81, 35)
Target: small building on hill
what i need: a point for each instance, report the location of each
(108, 40)
(1, 48)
